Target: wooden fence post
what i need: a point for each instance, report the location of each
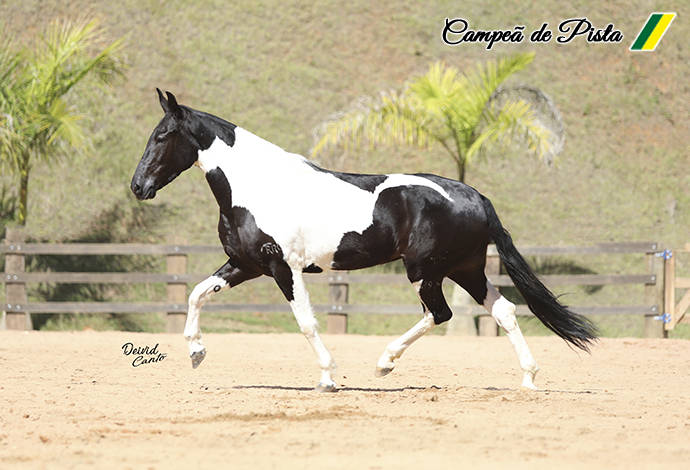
(670, 291)
(177, 291)
(463, 322)
(487, 326)
(338, 294)
(654, 293)
(15, 292)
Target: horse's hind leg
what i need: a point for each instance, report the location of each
(436, 311)
(503, 312)
(226, 276)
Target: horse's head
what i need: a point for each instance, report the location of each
(171, 149)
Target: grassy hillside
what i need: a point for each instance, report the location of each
(279, 69)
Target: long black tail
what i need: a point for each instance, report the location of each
(570, 326)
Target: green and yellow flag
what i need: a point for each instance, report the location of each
(653, 30)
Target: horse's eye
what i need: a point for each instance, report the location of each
(162, 135)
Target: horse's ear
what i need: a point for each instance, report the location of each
(164, 103)
(173, 107)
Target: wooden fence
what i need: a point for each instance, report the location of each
(675, 313)
(17, 308)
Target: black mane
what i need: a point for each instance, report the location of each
(211, 127)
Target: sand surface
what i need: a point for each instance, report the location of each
(74, 400)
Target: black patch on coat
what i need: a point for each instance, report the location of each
(282, 274)
(312, 269)
(431, 294)
(221, 189)
(205, 127)
(473, 281)
(362, 181)
(380, 242)
(233, 275)
(249, 249)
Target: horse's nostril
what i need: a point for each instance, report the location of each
(136, 187)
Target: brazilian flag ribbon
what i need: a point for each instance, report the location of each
(653, 30)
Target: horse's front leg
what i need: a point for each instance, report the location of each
(226, 276)
(291, 283)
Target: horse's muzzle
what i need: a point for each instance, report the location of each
(143, 190)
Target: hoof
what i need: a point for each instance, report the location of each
(197, 357)
(528, 385)
(528, 380)
(325, 388)
(382, 371)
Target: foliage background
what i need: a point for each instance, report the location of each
(280, 69)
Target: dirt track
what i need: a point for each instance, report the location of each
(74, 400)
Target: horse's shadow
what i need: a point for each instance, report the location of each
(404, 389)
(339, 389)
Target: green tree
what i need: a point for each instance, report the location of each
(456, 110)
(37, 123)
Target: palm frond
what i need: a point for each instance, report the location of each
(480, 84)
(441, 93)
(435, 88)
(391, 118)
(9, 61)
(65, 56)
(12, 145)
(10, 134)
(62, 123)
(515, 120)
(545, 111)
(488, 76)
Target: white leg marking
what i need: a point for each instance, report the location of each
(197, 298)
(395, 349)
(503, 312)
(301, 308)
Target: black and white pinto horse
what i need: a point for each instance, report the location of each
(282, 216)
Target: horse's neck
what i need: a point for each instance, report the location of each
(252, 167)
(252, 149)
(248, 155)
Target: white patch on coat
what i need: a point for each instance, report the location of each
(306, 211)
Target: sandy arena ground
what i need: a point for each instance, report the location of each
(74, 400)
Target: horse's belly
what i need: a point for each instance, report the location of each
(309, 232)
(310, 245)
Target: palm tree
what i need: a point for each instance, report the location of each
(459, 111)
(36, 121)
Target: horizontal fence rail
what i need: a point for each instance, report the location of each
(391, 279)
(597, 249)
(107, 249)
(382, 309)
(17, 307)
(148, 249)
